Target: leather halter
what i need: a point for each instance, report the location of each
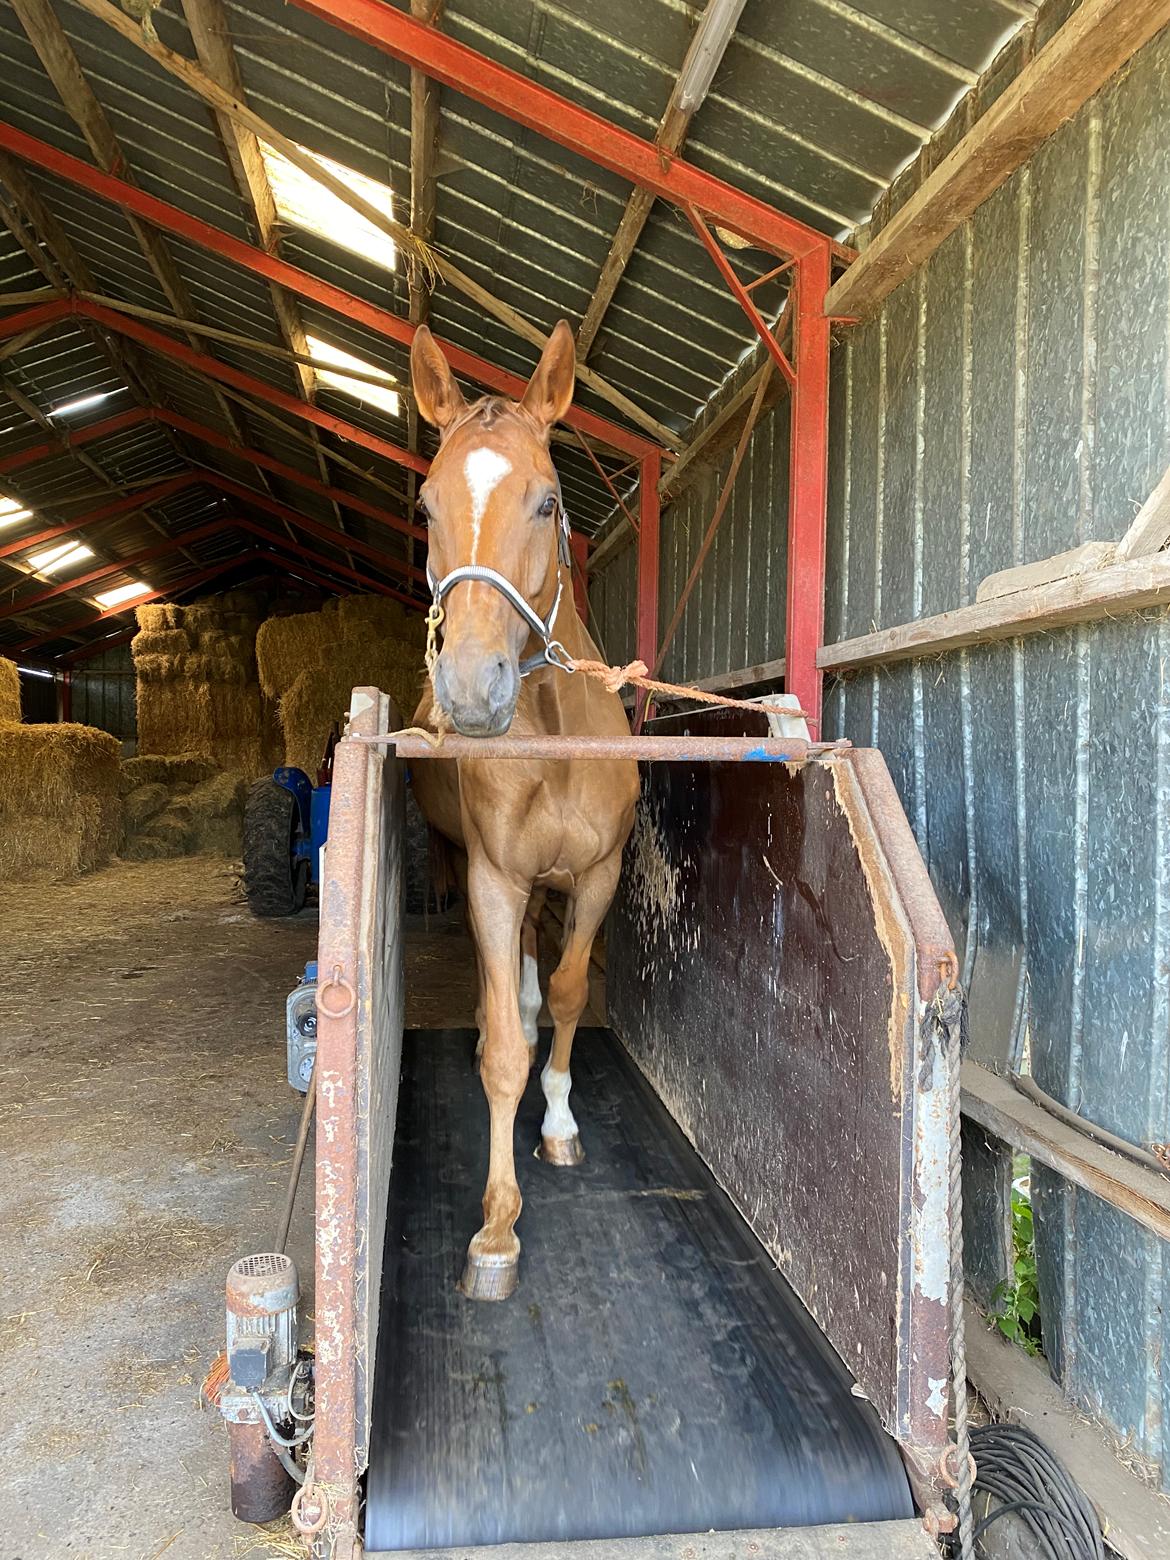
(552, 652)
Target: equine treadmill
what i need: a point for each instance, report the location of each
(652, 1374)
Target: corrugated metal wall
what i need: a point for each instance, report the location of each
(104, 692)
(1010, 402)
(735, 615)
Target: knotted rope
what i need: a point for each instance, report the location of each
(635, 674)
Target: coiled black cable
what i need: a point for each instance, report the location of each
(1024, 1476)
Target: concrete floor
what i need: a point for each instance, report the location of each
(147, 1127)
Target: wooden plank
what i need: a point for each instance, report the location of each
(207, 21)
(1150, 530)
(1121, 588)
(714, 32)
(850, 1541)
(1078, 560)
(1093, 44)
(1019, 1390)
(1007, 1114)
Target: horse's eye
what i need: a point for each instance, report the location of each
(420, 504)
(549, 507)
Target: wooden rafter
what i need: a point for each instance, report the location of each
(211, 34)
(63, 68)
(1094, 43)
(424, 194)
(714, 32)
(197, 79)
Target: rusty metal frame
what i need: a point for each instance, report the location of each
(671, 750)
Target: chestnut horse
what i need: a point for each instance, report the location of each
(498, 564)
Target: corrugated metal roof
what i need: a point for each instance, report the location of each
(815, 107)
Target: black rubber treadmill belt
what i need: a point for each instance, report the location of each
(653, 1373)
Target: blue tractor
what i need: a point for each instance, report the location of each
(286, 821)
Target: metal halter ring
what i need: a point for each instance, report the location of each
(302, 1523)
(951, 1480)
(338, 980)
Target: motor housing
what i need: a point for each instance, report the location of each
(262, 1293)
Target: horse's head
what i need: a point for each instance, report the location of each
(493, 503)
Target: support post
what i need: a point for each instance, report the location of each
(646, 631)
(65, 694)
(808, 487)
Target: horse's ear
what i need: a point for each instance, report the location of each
(438, 397)
(550, 390)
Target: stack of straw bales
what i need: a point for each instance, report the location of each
(60, 811)
(197, 687)
(312, 661)
(9, 693)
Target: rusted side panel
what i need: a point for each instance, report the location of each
(776, 942)
(359, 1038)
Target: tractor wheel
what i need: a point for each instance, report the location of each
(275, 883)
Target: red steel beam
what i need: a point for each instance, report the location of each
(278, 468)
(808, 489)
(118, 506)
(35, 318)
(214, 368)
(188, 582)
(326, 533)
(381, 321)
(741, 294)
(528, 103)
(110, 642)
(68, 441)
(120, 566)
(363, 580)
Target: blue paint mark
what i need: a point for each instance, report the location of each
(762, 756)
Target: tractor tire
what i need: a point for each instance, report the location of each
(274, 883)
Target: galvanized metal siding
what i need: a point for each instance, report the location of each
(104, 693)
(735, 614)
(1011, 402)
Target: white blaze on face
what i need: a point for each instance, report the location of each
(558, 1118)
(483, 470)
(529, 996)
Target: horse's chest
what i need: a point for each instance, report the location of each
(554, 825)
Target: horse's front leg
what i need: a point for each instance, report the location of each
(497, 907)
(568, 992)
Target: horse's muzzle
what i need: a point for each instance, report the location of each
(478, 691)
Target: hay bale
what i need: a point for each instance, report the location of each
(320, 695)
(286, 645)
(160, 642)
(216, 813)
(382, 614)
(179, 769)
(142, 804)
(156, 616)
(9, 691)
(60, 808)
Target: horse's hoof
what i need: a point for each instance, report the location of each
(561, 1151)
(489, 1277)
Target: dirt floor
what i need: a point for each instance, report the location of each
(147, 1125)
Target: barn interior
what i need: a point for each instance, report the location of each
(870, 307)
